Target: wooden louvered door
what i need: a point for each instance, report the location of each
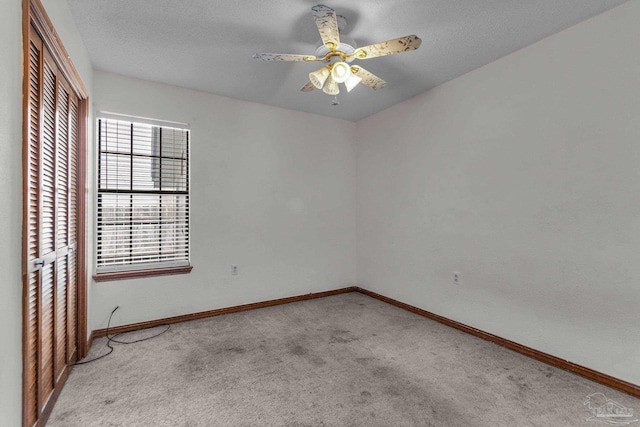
(51, 209)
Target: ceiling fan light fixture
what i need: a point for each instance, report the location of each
(331, 88)
(318, 77)
(337, 50)
(340, 72)
(352, 82)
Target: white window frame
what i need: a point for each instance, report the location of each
(123, 271)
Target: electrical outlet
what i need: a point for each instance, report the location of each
(234, 269)
(456, 278)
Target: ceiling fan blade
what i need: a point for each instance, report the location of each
(283, 57)
(402, 44)
(368, 79)
(309, 87)
(327, 25)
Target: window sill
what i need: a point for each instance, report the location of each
(140, 274)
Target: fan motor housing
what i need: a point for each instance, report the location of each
(345, 48)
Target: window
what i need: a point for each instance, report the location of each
(143, 197)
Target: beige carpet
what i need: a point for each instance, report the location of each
(345, 360)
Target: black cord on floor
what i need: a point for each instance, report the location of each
(139, 340)
(108, 342)
(111, 339)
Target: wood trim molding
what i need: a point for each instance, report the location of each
(599, 377)
(89, 343)
(43, 24)
(590, 374)
(83, 344)
(218, 312)
(34, 14)
(139, 274)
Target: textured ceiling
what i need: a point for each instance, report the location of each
(207, 45)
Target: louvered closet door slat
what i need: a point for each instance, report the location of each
(62, 225)
(61, 315)
(47, 238)
(48, 230)
(32, 279)
(34, 130)
(62, 166)
(71, 305)
(46, 358)
(73, 224)
(32, 346)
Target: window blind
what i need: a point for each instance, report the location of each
(143, 195)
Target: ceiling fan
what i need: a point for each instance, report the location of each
(338, 55)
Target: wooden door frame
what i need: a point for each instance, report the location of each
(33, 13)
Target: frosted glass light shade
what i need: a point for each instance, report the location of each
(352, 82)
(331, 88)
(318, 77)
(340, 72)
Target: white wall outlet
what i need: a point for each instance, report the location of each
(234, 269)
(456, 278)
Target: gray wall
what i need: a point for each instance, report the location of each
(272, 191)
(524, 177)
(10, 213)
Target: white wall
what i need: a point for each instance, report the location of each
(272, 191)
(524, 176)
(10, 213)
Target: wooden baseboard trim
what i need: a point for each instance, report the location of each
(588, 373)
(217, 312)
(599, 377)
(90, 341)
